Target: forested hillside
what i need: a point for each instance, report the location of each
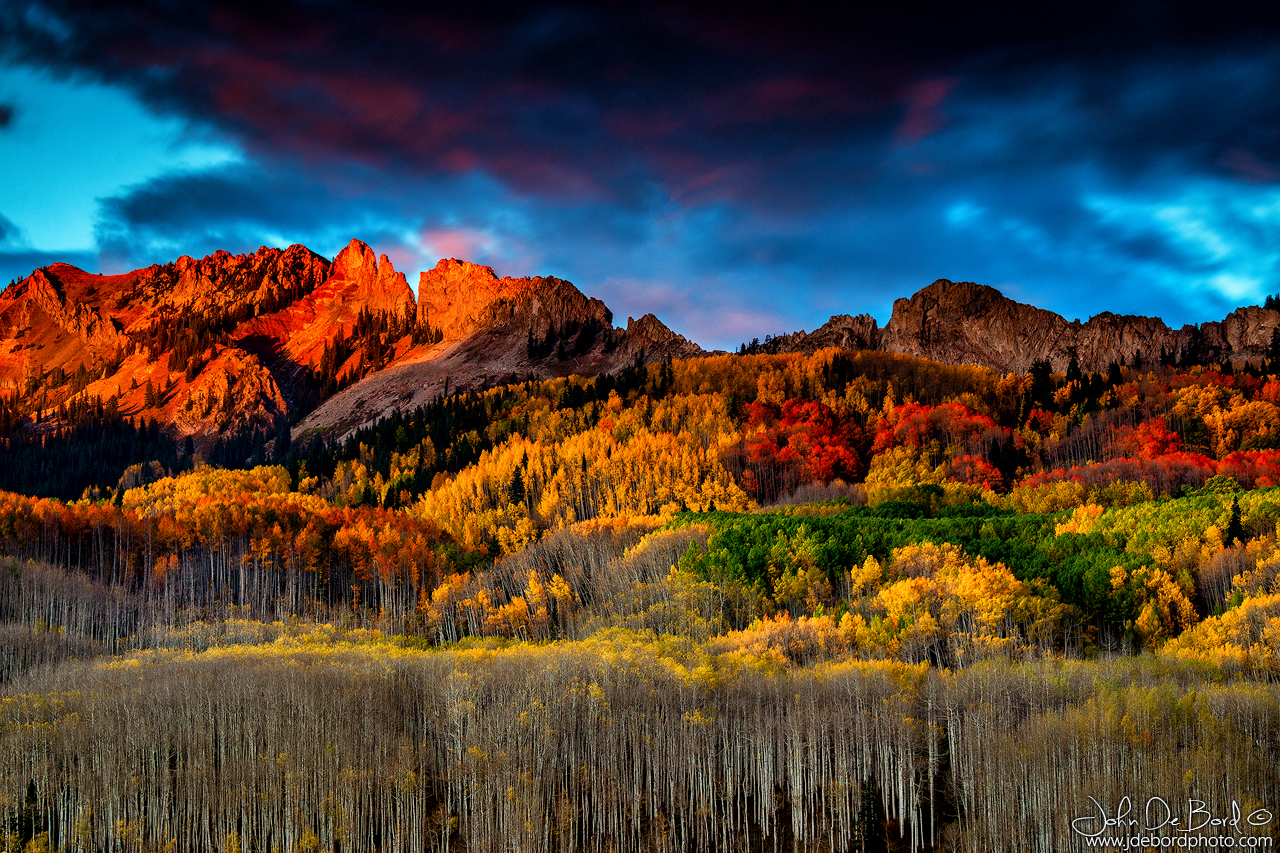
(226, 356)
(828, 600)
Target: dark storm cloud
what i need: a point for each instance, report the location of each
(566, 99)
(551, 101)
(226, 208)
(18, 264)
(1081, 157)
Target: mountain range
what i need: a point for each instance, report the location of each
(967, 323)
(237, 344)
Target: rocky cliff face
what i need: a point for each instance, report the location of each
(1009, 336)
(170, 328)
(227, 343)
(841, 331)
(651, 336)
(83, 321)
(497, 330)
(455, 295)
(1244, 333)
(460, 298)
(971, 323)
(222, 281)
(357, 281)
(967, 323)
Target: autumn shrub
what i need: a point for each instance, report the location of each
(799, 641)
(1244, 638)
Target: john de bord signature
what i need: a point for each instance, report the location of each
(1158, 814)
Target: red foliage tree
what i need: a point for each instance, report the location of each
(1253, 469)
(1149, 440)
(798, 442)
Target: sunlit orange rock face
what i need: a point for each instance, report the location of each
(61, 318)
(497, 330)
(356, 281)
(229, 343)
(456, 296)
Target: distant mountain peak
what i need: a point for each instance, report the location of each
(962, 322)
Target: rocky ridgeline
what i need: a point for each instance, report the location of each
(461, 298)
(496, 330)
(229, 342)
(967, 323)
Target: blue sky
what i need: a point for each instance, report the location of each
(738, 174)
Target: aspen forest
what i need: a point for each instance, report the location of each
(828, 601)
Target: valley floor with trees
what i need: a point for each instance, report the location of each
(835, 601)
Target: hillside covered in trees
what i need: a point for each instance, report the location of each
(835, 600)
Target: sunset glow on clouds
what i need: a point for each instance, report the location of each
(737, 174)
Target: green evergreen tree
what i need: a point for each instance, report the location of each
(1235, 530)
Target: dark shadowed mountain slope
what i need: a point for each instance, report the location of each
(967, 323)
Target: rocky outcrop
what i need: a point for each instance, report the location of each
(651, 336)
(455, 296)
(841, 331)
(1244, 333)
(263, 281)
(356, 277)
(357, 281)
(963, 322)
(967, 323)
(44, 289)
(504, 330)
(548, 307)
(459, 298)
(552, 318)
(123, 331)
(234, 393)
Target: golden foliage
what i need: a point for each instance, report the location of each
(173, 493)
(947, 606)
(1246, 637)
(646, 459)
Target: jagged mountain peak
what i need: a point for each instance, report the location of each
(652, 335)
(359, 274)
(231, 342)
(455, 295)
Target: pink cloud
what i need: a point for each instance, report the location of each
(465, 244)
(1245, 164)
(713, 310)
(922, 117)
